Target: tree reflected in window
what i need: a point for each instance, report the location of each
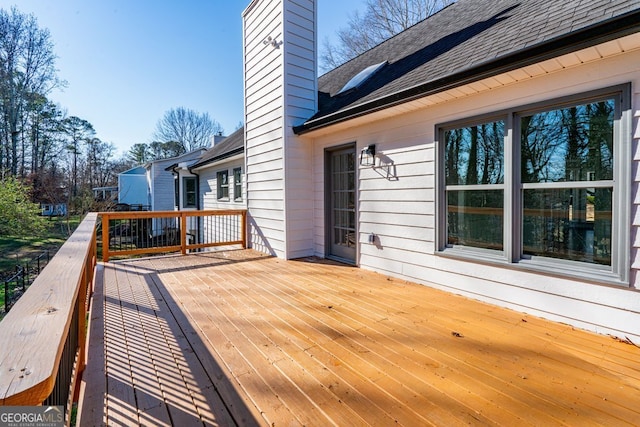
(570, 146)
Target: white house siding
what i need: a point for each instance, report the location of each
(162, 186)
(219, 229)
(162, 183)
(400, 208)
(209, 186)
(162, 194)
(277, 79)
(301, 103)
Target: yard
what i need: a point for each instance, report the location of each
(16, 250)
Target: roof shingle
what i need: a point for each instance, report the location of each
(231, 145)
(466, 36)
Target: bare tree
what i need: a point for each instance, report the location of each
(27, 70)
(99, 157)
(164, 150)
(381, 20)
(187, 127)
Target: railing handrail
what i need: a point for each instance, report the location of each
(183, 245)
(34, 332)
(170, 214)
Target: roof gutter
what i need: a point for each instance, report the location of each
(226, 155)
(602, 32)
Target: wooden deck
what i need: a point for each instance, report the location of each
(239, 338)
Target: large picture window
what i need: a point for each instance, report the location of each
(544, 186)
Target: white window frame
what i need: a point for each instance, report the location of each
(619, 271)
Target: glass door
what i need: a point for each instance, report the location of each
(341, 204)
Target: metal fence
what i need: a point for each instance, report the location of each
(137, 233)
(15, 283)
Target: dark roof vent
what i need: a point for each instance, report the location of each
(361, 77)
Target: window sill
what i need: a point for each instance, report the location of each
(576, 270)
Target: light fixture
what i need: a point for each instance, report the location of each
(368, 155)
(272, 41)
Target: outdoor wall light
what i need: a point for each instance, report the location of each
(272, 41)
(368, 155)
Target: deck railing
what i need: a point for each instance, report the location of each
(137, 233)
(43, 337)
(17, 283)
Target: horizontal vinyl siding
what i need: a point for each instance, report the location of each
(163, 189)
(209, 186)
(300, 101)
(263, 127)
(399, 207)
(635, 188)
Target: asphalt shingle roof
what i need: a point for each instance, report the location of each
(231, 145)
(469, 36)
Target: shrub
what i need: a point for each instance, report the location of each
(18, 214)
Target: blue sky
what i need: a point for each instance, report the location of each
(128, 61)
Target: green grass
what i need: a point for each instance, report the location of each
(21, 249)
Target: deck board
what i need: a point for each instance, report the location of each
(239, 338)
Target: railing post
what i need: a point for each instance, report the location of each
(82, 311)
(244, 230)
(94, 261)
(25, 272)
(6, 296)
(183, 233)
(105, 237)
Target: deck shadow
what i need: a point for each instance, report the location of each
(147, 364)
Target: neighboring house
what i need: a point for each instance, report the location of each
(133, 187)
(165, 187)
(156, 187)
(53, 209)
(221, 171)
(490, 150)
(109, 193)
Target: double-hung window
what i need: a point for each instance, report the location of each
(223, 185)
(237, 184)
(544, 186)
(190, 192)
(475, 190)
